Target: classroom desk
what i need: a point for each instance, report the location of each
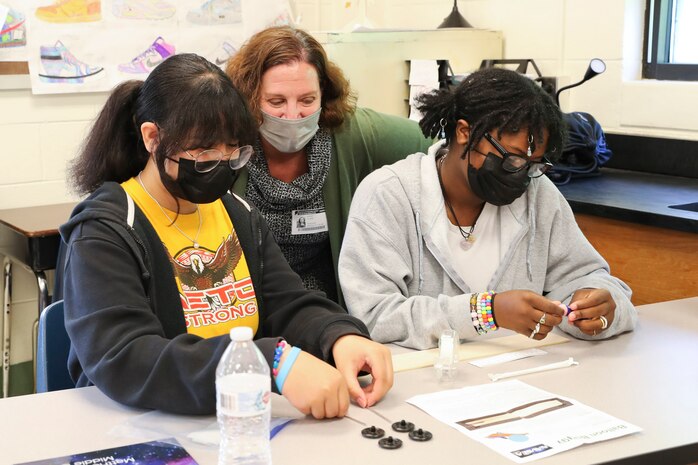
(28, 236)
(647, 378)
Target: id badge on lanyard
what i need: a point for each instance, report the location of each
(309, 221)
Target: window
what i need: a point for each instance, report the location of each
(671, 32)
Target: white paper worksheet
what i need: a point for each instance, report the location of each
(519, 421)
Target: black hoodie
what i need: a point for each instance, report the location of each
(125, 320)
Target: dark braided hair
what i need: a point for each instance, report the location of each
(494, 99)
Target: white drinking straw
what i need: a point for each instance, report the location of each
(552, 366)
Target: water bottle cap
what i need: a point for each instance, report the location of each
(241, 333)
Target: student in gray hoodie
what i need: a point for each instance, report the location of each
(471, 236)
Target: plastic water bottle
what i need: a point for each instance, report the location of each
(243, 402)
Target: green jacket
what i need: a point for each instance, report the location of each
(365, 141)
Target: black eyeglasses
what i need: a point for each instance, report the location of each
(514, 163)
(207, 160)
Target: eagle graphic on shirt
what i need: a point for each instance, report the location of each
(203, 272)
(215, 288)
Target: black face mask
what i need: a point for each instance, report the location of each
(199, 187)
(494, 184)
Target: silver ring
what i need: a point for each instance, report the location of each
(604, 322)
(542, 319)
(594, 332)
(535, 331)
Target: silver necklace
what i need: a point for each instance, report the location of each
(194, 241)
(468, 237)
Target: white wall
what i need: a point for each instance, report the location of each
(41, 133)
(561, 35)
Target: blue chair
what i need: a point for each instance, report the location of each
(52, 351)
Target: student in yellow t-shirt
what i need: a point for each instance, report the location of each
(160, 262)
(212, 275)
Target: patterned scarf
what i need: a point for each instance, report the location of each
(308, 254)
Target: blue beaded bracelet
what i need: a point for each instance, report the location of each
(278, 352)
(286, 367)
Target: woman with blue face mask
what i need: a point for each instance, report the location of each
(159, 262)
(313, 149)
(472, 236)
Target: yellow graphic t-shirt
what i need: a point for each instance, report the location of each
(213, 279)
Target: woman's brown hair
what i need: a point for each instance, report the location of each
(282, 45)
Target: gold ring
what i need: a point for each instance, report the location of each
(604, 322)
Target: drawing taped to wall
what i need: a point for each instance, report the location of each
(212, 12)
(60, 66)
(143, 9)
(61, 61)
(222, 53)
(70, 11)
(13, 31)
(93, 45)
(145, 62)
(260, 14)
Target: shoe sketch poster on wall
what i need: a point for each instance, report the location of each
(92, 45)
(13, 31)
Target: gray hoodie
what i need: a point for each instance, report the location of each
(396, 269)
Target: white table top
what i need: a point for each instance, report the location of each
(648, 378)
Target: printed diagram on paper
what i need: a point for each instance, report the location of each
(519, 421)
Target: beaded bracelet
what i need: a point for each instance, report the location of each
(286, 367)
(278, 352)
(474, 315)
(481, 312)
(485, 310)
(494, 320)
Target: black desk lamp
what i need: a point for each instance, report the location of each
(454, 19)
(596, 66)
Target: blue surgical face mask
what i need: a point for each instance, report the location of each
(289, 135)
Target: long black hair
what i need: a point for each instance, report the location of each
(494, 98)
(193, 103)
